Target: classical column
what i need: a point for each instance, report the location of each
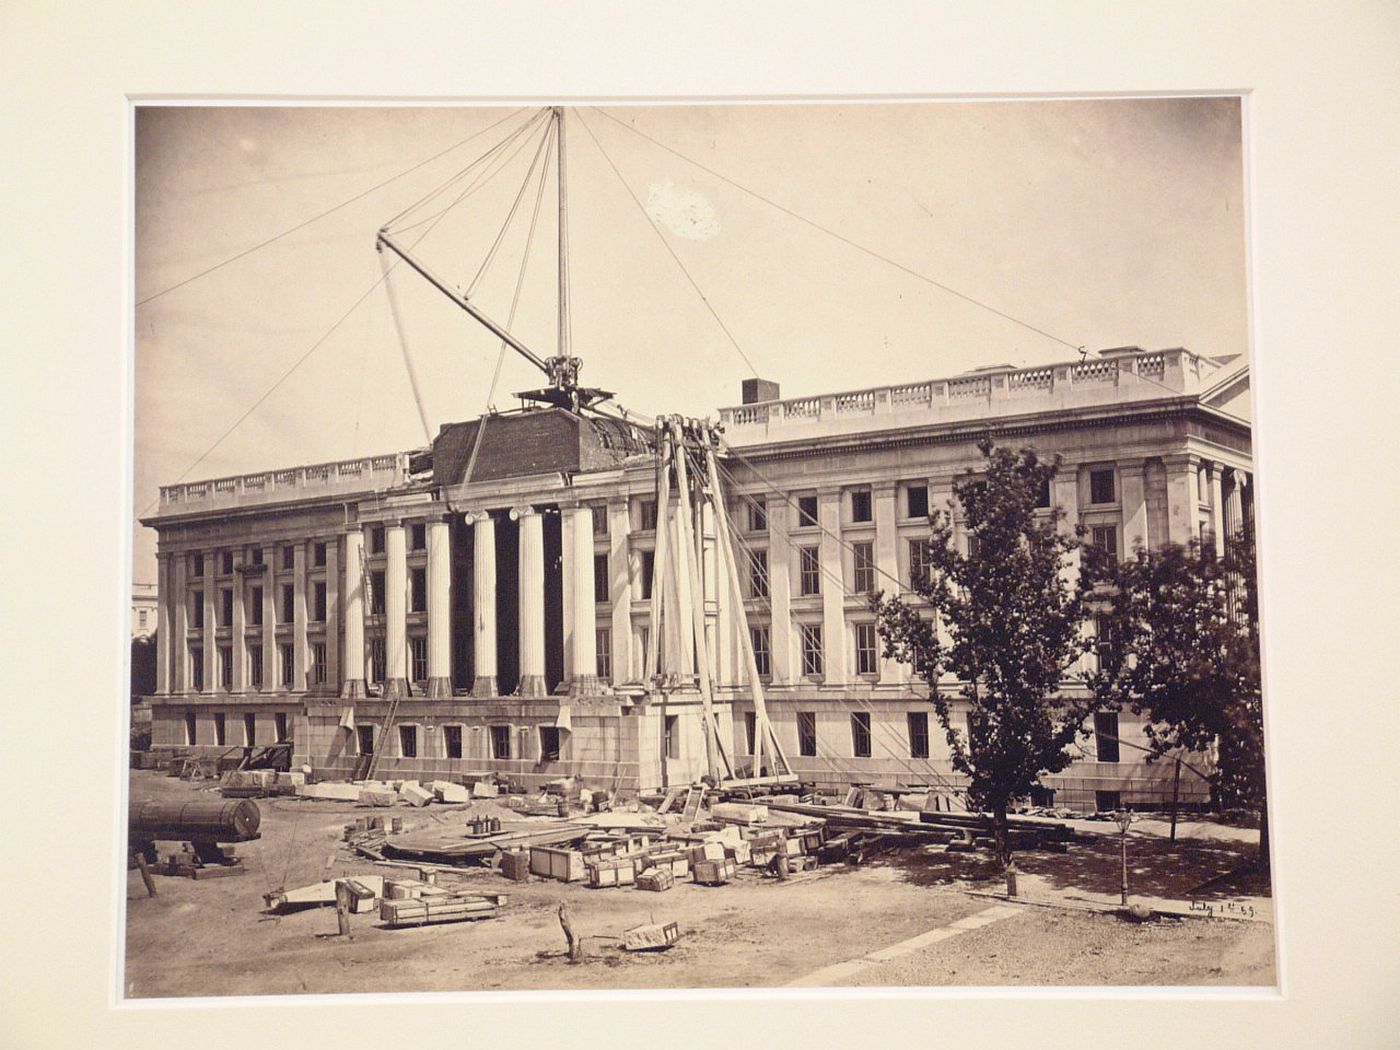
(780, 592)
(885, 505)
(239, 641)
(1234, 504)
(439, 609)
(211, 626)
(531, 601)
(484, 602)
(833, 588)
(1064, 494)
(180, 642)
(713, 592)
(353, 684)
(1133, 495)
(620, 590)
(1183, 499)
(395, 610)
(299, 617)
(1217, 505)
(164, 628)
(583, 681)
(272, 675)
(332, 613)
(566, 593)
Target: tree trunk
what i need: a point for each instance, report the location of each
(575, 942)
(1262, 861)
(1003, 846)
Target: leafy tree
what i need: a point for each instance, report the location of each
(143, 667)
(1187, 659)
(1011, 613)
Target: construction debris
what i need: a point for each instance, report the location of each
(651, 937)
(365, 891)
(436, 908)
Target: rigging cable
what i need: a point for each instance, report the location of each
(328, 211)
(545, 141)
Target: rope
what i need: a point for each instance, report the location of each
(510, 216)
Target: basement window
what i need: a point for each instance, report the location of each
(1108, 801)
(500, 741)
(191, 728)
(250, 730)
(860, 734)
(408, 741)
(452, 741)
(364, 738)
(550, 743)
(279, 726)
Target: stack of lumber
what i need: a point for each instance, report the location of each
(426, 910)
(459, 846)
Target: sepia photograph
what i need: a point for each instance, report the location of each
(694, 546)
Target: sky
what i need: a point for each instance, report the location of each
(1093, 223)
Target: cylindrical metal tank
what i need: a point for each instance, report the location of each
(222, 820)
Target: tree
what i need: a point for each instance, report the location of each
(1186, 624)
(143, 667)
(1010, 612)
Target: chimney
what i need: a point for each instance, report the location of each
(756, 390)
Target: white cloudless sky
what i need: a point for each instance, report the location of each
(1100, 222)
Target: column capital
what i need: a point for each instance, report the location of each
(523, 510)
(1182, 459)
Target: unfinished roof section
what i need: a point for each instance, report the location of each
(539, 441)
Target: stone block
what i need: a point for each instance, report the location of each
(446, 791)
(415, 795)
(377, 797)
(338, 792)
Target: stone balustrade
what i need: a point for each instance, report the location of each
(368, 473)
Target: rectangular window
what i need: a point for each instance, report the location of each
(812, 650)
(500, 741)
(918, 562)
(758, 514)
(257, 556)
(1042, 495)
(226, 563)
(226, 666)
(550, 741)
(604, 650)
(226, 607)
(806, 512)
(862, 567)
(376, 592)
(1105, 537)
(318, 663)
(860, 734)
(418, 647)
(918, 734)
(1106, 736)
(1101, 488)
(648, 514)
(255, 613)
(191, 729)
(648, 570)
(376, 539)
(250, 730)
(974, 546)
(418, 590)
(408, 741)
(197, 669)
(452, 741)
(418, 536)
(807, 733)
(197, 613)
(758, 574)
(750, 731)
(288, 662)
(279, 726)
(288, 603)
(601, 583)
(916, 501)
(255, 675)
(810, 570)
(364, 737)
(318, 554)
(318, 603)
(197, 565)
(220, 729)
(289, 557)
(1104, 641)
(600, 519)
(671, 737)
(1107, 801)
(761, 656)
(860, 505)
(866, 658)
(377, 661)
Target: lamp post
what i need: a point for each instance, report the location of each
(1125, 819)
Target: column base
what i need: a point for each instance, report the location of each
(532, 685)
(438, 687)
(395, 688)
(353, 689)
(583, 685)
(484, 685)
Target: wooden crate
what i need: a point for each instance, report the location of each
(566, 865)
(715, 872)
(656, 879)
(651, 937)
(614, 872)
(422, 911)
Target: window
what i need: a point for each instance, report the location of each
(648, 568)
(318, 592)
(807, 733)
(452, 741)
(226, 563)
(1101, 488)
(197, 565)
(191, 733)
(647, 508)
(279, 726)
(1105, 537)
(500, 741)
(860, 505)
(197, 669)
(916, 501)
(257, 556)
(377, 662)
(226, 607)
(919, 561)
(974, 546)
(318, 554)
(226, 666)
(408, 741)
(418, 648)
(256, 612)
(318, 663)
(758, 574)
(550, 741)
(255, 675)
(671, 737)
(220, 729)
(1104, 641)
(600, 519)
(376, 539)
(418, 536)
(604, 650)
(761, 656)
(288, 602)
(250, 729)
(601, 590)
(812, 650)
(918, 734)
(364, 737)
(289, 557)
(288, 662)
(810, 566)
(141, 617)
(1106, 736)
(758, 514)
(418, 590)
(863, 567)
(750, 731)
(806, 512)
(866, 658)
(197, 613)
(376, 592)
(1042, 495)
(860, 734)
(1107, 801)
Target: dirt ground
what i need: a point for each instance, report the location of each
(212, 937)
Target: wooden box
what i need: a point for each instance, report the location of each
(515, 865)
(612, 872)
(652, 937)
(715, 872)
(656, 879)
(566, 865)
